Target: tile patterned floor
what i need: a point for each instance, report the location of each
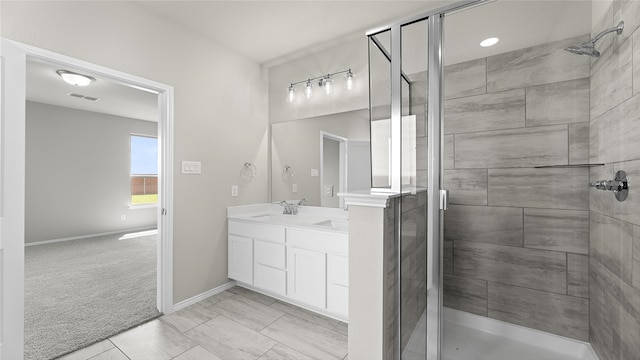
(236, 324)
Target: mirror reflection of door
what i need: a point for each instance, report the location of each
(332, 169)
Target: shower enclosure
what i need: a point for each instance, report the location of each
(490, 152)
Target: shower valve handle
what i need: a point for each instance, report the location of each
(619, 186)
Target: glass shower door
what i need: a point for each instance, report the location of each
(405, 138)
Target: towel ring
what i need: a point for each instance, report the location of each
(287, 172)
(248, 172)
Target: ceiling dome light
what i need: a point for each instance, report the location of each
(489, 42)
(75, 78)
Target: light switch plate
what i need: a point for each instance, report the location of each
(294, 188)
(191, 167)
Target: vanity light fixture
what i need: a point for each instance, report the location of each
(307, 91)
(349, 80)
(324, 81)
(489, 42)
(74, 78)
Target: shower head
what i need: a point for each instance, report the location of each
(589, 48)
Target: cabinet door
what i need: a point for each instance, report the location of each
(307, 276)
(338, 284)
(241, 259)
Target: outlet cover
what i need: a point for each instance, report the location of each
(234, 190)
(294, 188)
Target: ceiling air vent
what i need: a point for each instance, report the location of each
(90, 98)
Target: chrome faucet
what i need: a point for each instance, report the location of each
(289, 209)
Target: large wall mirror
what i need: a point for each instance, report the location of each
(317, 158)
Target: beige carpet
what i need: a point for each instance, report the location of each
(82, 291)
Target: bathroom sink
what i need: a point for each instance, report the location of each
(334, 224)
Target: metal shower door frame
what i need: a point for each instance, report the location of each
(436, 202)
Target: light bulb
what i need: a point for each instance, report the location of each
(327, 84)
(349, 80)
(292, 94)
(307, 91)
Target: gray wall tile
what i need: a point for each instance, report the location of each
(629, 11)
(543, 64)
(466, 186)
(636, 257)
(465, 79)
(606, 43)
(636, 63)
(615, 314)
(535, 269)
(447, 258)
(579, 143)
(486, 224)
(543, 145)
(554, 313)
(558, 230)
(604, 315)
(419, 87)
(465, 294)
(558, 103)
(578, 275)
(448, 152)
(500, 110)
(611, 83)
(540, 188)
(615, 135)
(612, 244)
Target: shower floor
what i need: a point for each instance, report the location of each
(471, 337)
(464, 343)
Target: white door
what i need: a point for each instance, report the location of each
(12, 160)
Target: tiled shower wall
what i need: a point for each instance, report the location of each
(517, 236)
(614, 251)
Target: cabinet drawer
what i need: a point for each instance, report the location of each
(270, 254)
(257, 231)
(319, 240)
(270, 279)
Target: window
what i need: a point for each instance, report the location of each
(144, 170)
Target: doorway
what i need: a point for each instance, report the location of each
(14, 56)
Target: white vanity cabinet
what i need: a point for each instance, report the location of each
(257, 255)
(298, 259)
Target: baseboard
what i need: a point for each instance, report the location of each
(192, 300)
(558, 343)
(88, 236)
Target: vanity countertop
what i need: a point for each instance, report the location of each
(308, 217)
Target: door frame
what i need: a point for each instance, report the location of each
(164, 300)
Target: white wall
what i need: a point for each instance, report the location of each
(77, 173)
(220, 112)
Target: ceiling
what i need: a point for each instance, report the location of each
(272, 32)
